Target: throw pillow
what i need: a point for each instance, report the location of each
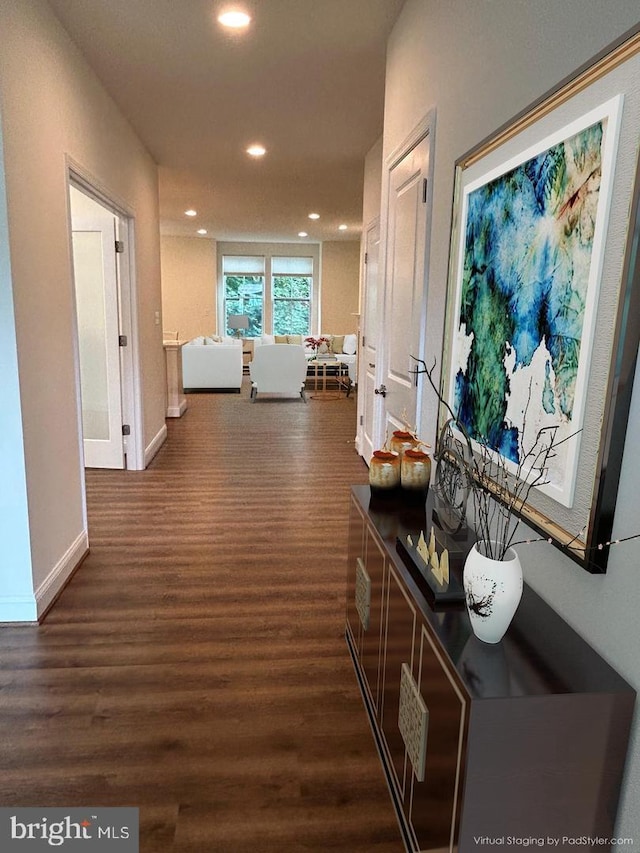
(350, 344)
(337, 343)
(294, 339)
(267, 339)
(281, 339)
(197, 341)
(323, 349)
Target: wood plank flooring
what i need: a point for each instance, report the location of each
(195, 666)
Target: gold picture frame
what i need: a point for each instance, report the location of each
(580, 523)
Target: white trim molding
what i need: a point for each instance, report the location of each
(55, 581)
(155, 444)
(177, 411)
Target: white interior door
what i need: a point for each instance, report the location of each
(96, 286)
(370, 331)
(405, 290)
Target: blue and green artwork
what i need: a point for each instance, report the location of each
(524, 293)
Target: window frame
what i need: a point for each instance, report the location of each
(308, 300)
(223, 298)
(269, 251)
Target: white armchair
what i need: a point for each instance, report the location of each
(278, 369)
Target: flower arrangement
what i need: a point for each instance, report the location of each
(316, 343)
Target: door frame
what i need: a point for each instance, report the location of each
(425, 128)
(365, 304)
(131, 395)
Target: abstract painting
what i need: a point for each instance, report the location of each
(526, 288)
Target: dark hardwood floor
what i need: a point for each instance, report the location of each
(195, 665)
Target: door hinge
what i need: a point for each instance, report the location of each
(126, 429)
(122, 341)
(361, 420)
(366, 257)
(424, 190)
(363, 339)
(119, 247)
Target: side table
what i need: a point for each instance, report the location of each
(247, 356)
(332, 368)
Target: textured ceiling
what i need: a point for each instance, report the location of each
(306, 80)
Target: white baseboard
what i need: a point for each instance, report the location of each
(177, 411)
(154, 446)
(61, 572)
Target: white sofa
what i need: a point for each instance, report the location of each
(346, 354)
(212, 364)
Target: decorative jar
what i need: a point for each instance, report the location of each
(384, 471)
(415, 471)
(401, 441)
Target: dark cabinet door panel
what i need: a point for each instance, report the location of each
(355, 553)
(398, 649)
(433, 803)
(370, 654)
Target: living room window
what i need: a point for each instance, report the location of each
(291, 293)
(276, 285)
(243, 284)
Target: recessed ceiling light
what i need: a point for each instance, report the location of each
(342, 227)
(234, 19)
(314, 216)
(191, 212)
(256, 150)
(302, 234)
(202, 230)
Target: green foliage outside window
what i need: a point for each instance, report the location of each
(291, 305)
(243, 294)
(291, 318)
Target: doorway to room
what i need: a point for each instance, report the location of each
(109, 422)
(394, 310)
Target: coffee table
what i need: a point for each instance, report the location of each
(321, 369)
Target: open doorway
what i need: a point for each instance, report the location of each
(100, 248)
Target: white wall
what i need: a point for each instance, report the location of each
(372, 192)
(189, 286)
(340, 286)
(478, 64)
(53, 107)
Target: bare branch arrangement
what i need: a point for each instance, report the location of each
(499, 494)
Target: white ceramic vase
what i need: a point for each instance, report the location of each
(493, 589)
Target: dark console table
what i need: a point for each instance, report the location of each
(495, 746)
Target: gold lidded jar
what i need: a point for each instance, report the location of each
(402, 440)
(384, 470)
(415, 471)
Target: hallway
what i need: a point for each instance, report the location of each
(195, 666)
